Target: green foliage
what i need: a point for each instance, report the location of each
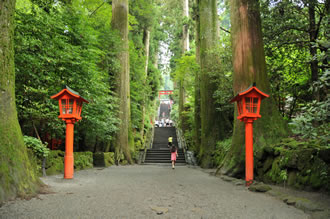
(144, 86)
(185, 70)
(288, 44)
(221, 150)
(284, 175)
(39, 149)
(83, 160)
(55, 162)
(313, 122)
(301, 164)
(63, 46)
(224, 79)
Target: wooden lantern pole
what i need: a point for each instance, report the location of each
(248, 151)
(68, 158)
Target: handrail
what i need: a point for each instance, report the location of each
(149, 143)
(181, 141)
(188, 155)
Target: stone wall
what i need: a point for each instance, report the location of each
(55, 161)
(303, 165)
(103, 159)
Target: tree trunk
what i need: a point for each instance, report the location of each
(250, 66)
(185, 48)
(146, 52)
(312, 48)
(120, 23)
(17, 176)
(197, 86)
(212, 122)
(185, 30)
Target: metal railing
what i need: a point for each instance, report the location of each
(181, 141)
(148, 143)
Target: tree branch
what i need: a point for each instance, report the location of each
(294, 42)
(319, 23)
(224, 29)
(96, 9)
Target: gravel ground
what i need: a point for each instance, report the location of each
(149, 191)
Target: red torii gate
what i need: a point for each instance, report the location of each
(164, 92)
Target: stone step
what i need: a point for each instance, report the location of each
(163, 161)
(160, 153)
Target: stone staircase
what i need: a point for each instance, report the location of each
(160, 153)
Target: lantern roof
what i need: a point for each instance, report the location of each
(248, 90)
(70, 92)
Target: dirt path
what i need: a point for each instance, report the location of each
(148, 192)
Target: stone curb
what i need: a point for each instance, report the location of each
(304, 204)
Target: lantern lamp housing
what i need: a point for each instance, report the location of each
(248, 103)
(70, 104)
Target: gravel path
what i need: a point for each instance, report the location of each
(148, 192)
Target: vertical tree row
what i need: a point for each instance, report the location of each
(16, 174)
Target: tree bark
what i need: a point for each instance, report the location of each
(146, 52)
(17, 176)
(119, 23)
(312, 48)
(185, 30)
(185, 48)
(250, 66)
(212, 122)
(197, 86)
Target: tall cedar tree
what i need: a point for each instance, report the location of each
(146, 42)
(185, 48)
(212, 121)
(197, 110)
(250, 66)
(16, 174)
(119, 23)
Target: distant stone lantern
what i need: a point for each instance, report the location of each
(70, 105)
(248, 106)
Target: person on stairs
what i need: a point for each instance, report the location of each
(174, 155)
(170, 140)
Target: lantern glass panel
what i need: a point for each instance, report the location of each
(70, 108)
(255, 104)
(63, 103)
(67, 106)
(248, 104)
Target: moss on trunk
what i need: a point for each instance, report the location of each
(212, 122)
(250, 66)
(144, 101)
(197, 118)
(119, 23)
(17, 177)
(181, 82)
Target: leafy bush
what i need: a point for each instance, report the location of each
(39, 149)
(83, 160)
(221, 150)
(314, 122)
(55, 162)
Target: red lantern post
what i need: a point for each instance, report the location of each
(248, 106)
(70, 105)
